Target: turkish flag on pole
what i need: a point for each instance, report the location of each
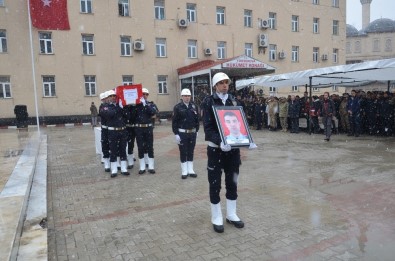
(49, 14)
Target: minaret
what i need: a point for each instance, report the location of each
(365, 12)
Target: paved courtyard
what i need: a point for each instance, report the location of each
(300, 197)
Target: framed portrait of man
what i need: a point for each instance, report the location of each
(232, 125)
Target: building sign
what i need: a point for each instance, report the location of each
(244, 62)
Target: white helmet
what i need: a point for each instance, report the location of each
(145, 90)
(185, 92)
(111, 92)
(219, 77)
(103, 95)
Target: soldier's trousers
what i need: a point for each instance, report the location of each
(187, 146)
(105, 145)
(118, 140)
(131, 139)
(145, 141)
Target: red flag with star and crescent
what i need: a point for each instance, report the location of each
(49, 14)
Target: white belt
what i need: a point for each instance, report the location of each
(104, 127)
(212, 144)
(187, 130)
(129, 125)
(117, 129)
(143, 125)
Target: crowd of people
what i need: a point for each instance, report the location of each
(358, 113)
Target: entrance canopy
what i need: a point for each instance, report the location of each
(359, 73)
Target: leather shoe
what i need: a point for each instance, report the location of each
(107, 170)
(141, 172)
(113, 175)
(125, 173)
(184, 176)
(192, 175)
(130, 167)
(218, 228)
(238, 224)
(152, 171)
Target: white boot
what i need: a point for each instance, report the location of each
(107, 164)
(191, 172)
(184, 170)
(130, 159)
(146, 159)
(142, 166)
(231, 216)
(151, 168)
(216, 217)
(119, 162)
(114, 169)
(124, 168)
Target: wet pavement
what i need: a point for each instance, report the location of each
(300, 197)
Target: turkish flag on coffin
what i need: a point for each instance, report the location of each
(129, 94)
(49, 14)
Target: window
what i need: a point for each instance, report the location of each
(5, 87)
(192, 49)
(335, 3)
(247, 18)
(316, 2)
(376, 45)
(357, 46)
(315, 89)
(248, 49)
(87, 44)
(334, 88)
(90, 85)
(348, 47)
(295, 23)
(126, 46)
(295, 88)
(49, 86)
(272, 52)
(86, 6)
(316, 25)
(335, 27)
(316, 54)
(123, 7)
(160, 47)
(45, 43)
(272, 89)
(162, 84)
(272, 20)
(221, 50)
(295, 53)
(191, 12)
(3, 41)
(127, 79)
(159, 6)
(220, 15)
(388, 45)
(335, 55)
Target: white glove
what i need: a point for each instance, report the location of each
(252, 146)
(226, 147)
(197, 134)
(120, 103)
(143, 101)
(178, 139)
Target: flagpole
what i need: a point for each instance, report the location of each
(33, 67)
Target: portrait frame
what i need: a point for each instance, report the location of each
(244, 138)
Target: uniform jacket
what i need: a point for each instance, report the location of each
(144, 113)
(114, 115)
(283, 111)
(185, 117)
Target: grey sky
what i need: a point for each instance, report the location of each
(378, 9)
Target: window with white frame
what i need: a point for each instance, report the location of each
(162, 84)
(335, 3)
(159, 6)
(316, 54)
(272, 89)
(160, 47)
(45, 42)
(220, 15)
(295, 54)
(191, 12)
(123, 7)
(221, 50)
(127, 79)
(335, 55)
(316, 2)
(5, 87)
(192, 49)
(316, 25)
(295, 23)
(87, 44)
(126, 46)
(272, 20)
(247, 18)
(315, 89)
(248, 49)
(86, 6)
(295, 88)
(90, 85)
(335, 30)
(49, 86)
(3, 41)
(272, 52)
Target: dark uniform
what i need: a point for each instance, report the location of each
(130, 117)
(354, 109)
(186, 125)
(105, 146)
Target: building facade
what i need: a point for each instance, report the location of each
(112, 43)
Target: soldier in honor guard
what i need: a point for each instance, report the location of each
(144, 132)
(117, 134)
(185, 127)
(105, 146)
(221, 157)
(130, 118)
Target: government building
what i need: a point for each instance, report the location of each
(164, 45)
